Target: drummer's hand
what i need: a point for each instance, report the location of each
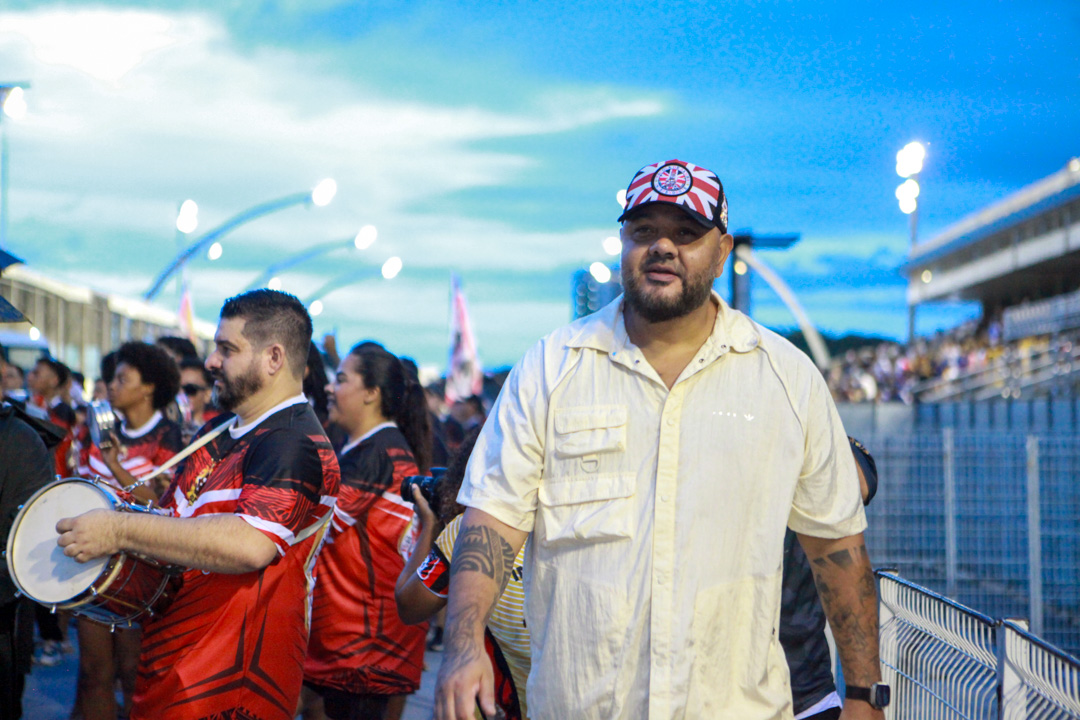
(91, 535)
(111, 454)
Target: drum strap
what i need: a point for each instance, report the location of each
(180, 456)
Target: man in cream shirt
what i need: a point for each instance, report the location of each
(657, 450)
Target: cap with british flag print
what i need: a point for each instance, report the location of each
(696, 190)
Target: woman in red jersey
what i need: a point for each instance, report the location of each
(146, 380)
(360, 654)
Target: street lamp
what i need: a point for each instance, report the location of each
(909, 163)
(320, 196)
(388, 271)
(12, 105)
(364, 239)
(188, 217)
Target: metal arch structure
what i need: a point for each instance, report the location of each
(301, 257)
(813, 337)
(205, 240)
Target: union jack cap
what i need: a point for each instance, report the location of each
(693, 188)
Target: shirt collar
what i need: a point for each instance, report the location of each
(365, 436)
(239, 431)
(605, 330)
(146, 426)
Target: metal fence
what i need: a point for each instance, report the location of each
(946, 661)
(991, 520)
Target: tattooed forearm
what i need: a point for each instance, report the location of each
(845, 584)
(461, 645)
(481, 549)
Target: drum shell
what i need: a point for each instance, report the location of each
(127, 586)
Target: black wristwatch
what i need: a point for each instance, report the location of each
(877, 695)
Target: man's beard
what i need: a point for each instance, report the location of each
(232, 392)
(653, 307)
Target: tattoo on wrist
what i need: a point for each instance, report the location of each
(483, 550)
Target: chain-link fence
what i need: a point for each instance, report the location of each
(991, 520)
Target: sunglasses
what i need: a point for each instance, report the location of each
(192, 389)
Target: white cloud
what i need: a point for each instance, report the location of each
(133, 111)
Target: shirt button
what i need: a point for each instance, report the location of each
(659, 581)
(665, 497)
(671, 422)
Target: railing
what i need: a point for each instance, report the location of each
(946, 661)
(1038, 681)
(937, 655)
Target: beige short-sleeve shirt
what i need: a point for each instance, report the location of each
(653, 578)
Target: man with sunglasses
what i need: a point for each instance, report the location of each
(197, 386)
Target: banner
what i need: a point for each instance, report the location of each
(464, 375)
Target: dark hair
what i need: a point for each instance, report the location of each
(79, 378)
(455, 474)
(108, 367)
(179, 345)
(273, 316)
(155, 367)
(402, 398)
(194, 363)
(315, 381)
(63, 374)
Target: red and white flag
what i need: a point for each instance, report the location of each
(464, 376)
(187, 315)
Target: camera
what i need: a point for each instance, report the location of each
(426, 486)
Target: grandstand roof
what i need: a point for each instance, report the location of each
(1024, 246)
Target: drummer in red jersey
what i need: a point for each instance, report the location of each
(145, 381)
(248, 512)
(362, 659)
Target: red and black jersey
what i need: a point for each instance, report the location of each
(142, 451)
(233, 646)
(62, 415)
(358, 642)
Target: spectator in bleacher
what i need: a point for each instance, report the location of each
(46, 382)
(197, 385)
(13, 382)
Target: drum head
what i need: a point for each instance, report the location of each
(37, 564)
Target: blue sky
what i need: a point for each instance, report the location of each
(490, 138)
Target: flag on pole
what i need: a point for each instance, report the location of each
(187, 315)
(464, 376)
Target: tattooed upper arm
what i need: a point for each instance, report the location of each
(482, 549)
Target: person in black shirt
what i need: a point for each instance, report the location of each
(802, 619)
(25, 466)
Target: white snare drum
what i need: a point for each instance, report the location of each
(112, 590)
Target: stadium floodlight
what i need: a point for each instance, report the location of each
(907, 194)
(612, 245)
(316, 308)
(909, 161)
(188, 217)
(214, 252)
(391, 268)
(1074, 165)
(323, 193)
(620, 197)
(274, 283)
(15, 103)
(365, 238)
(600, 272)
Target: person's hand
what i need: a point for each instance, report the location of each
(110, 451)
(860, 710)
(465, 680)
(428, 519)
(91, 535)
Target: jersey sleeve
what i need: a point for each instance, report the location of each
(434, 572)
(282, 485)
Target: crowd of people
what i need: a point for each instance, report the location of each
(382, 427)
(659, 508)
(892, 372)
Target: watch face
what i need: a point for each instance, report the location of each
(880, 694)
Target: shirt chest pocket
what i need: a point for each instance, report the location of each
(590, 430)
(586, 509)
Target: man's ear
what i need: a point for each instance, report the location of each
(727, 244)
(275, 358)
